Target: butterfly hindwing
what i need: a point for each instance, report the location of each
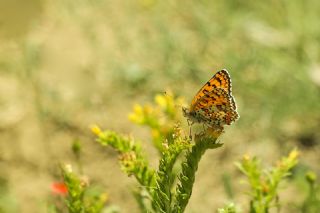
(217, 108)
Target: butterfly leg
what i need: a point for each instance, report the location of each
(204, 127)
(190, 124)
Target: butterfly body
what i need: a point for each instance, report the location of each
(213, 105)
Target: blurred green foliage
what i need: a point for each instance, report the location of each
(312, 201)
(264, 184)
(80, 197)
(7, 201)
(271, 49)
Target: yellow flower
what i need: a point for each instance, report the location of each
(293, 154)
(96, 130)
(311, 177)
(148, 109)
(137, 115)
(67, 168)
(103, 197)
(155, 133)
(161, 101)
(137, 109)
(246, 157)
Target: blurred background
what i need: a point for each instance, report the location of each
(67, 64)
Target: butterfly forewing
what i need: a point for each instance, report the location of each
(220, 80)
(217, 98)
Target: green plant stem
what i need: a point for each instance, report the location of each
(165, 181)
(139, 168)
(189, 168)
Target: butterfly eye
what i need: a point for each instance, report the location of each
(185, 110)
(192, 113)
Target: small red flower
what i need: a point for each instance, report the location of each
(59, 188)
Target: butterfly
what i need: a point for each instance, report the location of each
(213, 105)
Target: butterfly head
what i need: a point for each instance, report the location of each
(185, 111)
(190, 115)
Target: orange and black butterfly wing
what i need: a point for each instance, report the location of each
(217, 108)
(220, 80)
